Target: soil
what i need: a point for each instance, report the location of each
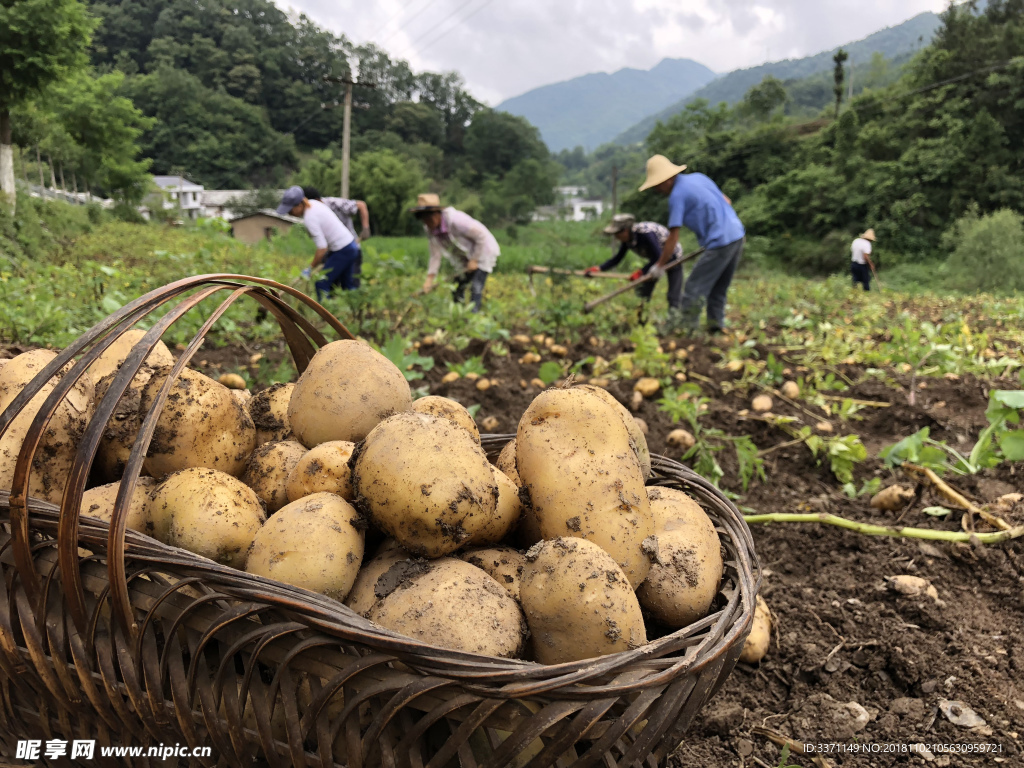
(852, 662)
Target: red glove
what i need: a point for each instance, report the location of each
(636, 276)
(591, 271)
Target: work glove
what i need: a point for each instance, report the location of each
(656, 271)
(307, 272)
(636, 276)
(591, 271)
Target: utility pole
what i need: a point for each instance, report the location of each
(850, 96)
(346, 126)
(615, 188)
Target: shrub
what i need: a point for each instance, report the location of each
(987, 252)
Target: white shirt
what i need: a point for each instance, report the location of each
(461, 239)
(860, 249)
(325, 228)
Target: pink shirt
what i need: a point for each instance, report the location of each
(460, 238)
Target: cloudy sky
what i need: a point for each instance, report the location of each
(506, 47)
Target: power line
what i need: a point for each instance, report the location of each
(410, 46)
(464, 19)
(405, 23)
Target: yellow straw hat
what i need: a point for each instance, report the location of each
(659, 169)
(869, 235)
(426, 202)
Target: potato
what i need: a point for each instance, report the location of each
(506, 514)
(582, 478)
(269, 412)
(117, 353)
(345, 392)
(315, 543)
(122, 428)
(324, 468)
(447, 408)
(208, 512)
(451, 604)
(52, 460)
(756, 645)
(232, 381)
(424, 482)
(761, 403)
(578, 602)
(637, 436)
(791, 390)
(201, 425)
(506, 462)
(362, 597)
(680, 439)
(243, 396)
(683, 583)
(503, 564)
(98, 502)
(268, 470)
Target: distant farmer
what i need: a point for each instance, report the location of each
(861, 265)
(464, 241)
(647, 239)
(346, 210)
(694, 201)
(336, 248)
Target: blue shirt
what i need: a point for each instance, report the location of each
(698, 204)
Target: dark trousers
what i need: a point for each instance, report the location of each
(339, 268)
(475, 282)
(675, 287)
(861, 274)
(709, 283)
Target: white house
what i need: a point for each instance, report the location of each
(180, 192)
(217, 202)
(583, 209)
(571, 191)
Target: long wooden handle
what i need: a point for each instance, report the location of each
(619, 291)
(539, 270)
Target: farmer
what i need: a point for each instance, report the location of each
(694, 201)
(346, 210)
(464, 241)
(647, 239)
(861, 265)
(336, 248)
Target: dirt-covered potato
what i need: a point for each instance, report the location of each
(506, 514)
(503, 564)
(582, 476)
(683, 583)
(208, 512)
(117, 352)
(324, 468)
(122, 428)
(201, 425)
(578, 602)
(362, 597)
(315, 543)
(345, 392)
(506, 462)
(447, 408)
(451, 604)
(425, 482)
(98, 502)
(760, 637)
(637, 438)
(269, 412)
(268, 469)
(53, 458)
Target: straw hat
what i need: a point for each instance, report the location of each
(869, 235)
(659, 169)
(426, 202)
(620, 221)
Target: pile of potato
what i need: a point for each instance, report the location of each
(344, 485)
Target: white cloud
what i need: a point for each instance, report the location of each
(506, 47)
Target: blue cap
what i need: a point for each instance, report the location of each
(292, 197)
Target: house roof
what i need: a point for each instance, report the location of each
(169, 182)
(272, 214)
(222, 196)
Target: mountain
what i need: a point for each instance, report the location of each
(593, 109)
(891, 42)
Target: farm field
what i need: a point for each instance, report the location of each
(937, 376)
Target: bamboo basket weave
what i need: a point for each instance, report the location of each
(107, 634)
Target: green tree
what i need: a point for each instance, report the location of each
(498, 141)
(389, 185)
(839, 76)
(987, 252)
(763, 99)
(40, 41)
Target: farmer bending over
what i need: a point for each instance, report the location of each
(346, 210)
(696, 202)
(336, 248)
(647, 239)
(464, 241)
(861, 265)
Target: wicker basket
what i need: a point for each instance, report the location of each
(109, 635)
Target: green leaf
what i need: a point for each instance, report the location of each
(937, 511)
(1011, 398)
(1012, 445)
(474, 410)
(550, 372)
(749, 463)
